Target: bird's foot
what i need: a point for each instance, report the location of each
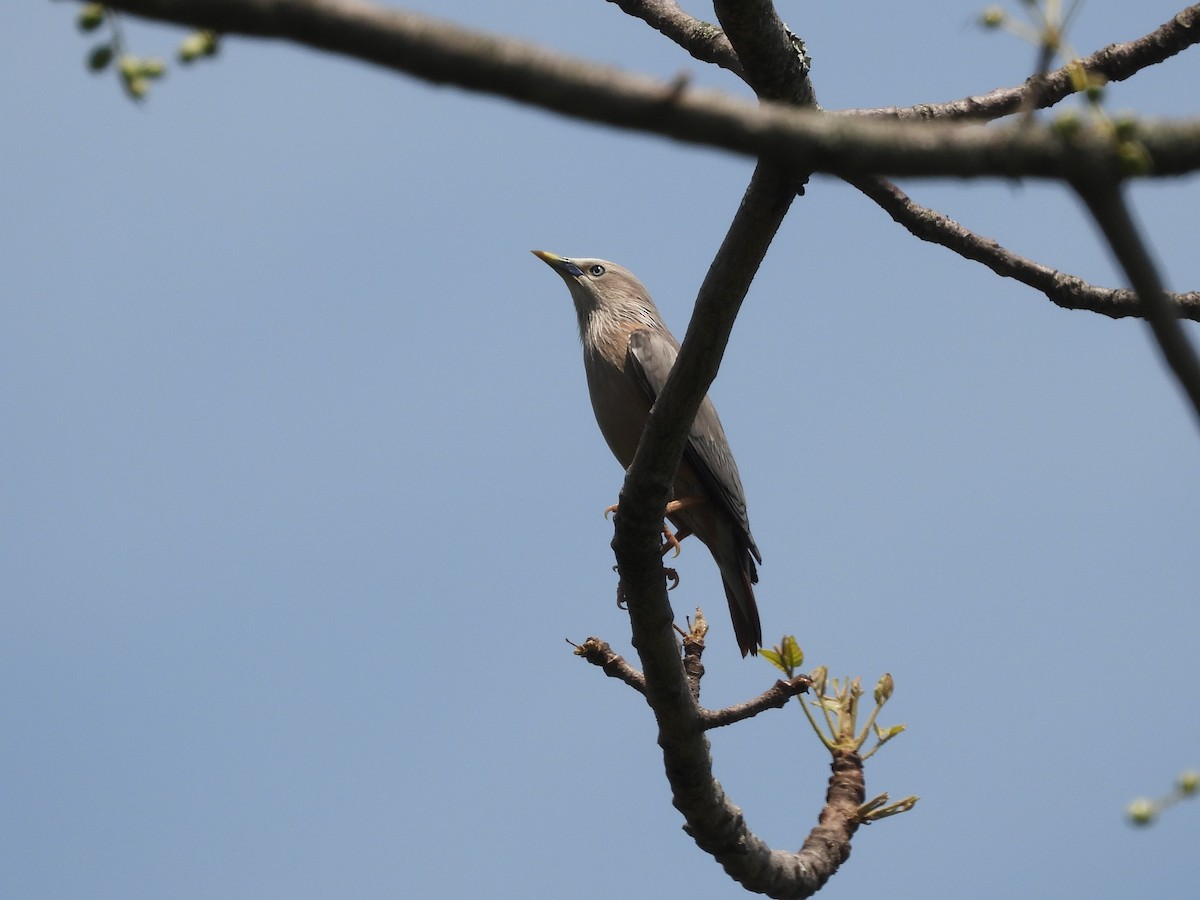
(670, 539)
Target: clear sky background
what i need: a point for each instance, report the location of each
(302, 492)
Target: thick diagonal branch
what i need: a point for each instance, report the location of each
(703, 40)
(1108, 207)
(764, 47)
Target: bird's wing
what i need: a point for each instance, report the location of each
(651, 356)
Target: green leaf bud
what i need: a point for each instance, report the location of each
(91, 17)
(1141, 811)
(99, 58)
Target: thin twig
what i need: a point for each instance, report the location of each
(1116, 62)
(600, 654)
(1067, 291)
(775, 697)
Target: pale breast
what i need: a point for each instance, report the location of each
(620, 404)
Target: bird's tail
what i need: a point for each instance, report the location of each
(747, 627)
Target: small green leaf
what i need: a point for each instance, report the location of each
(773, 658)
(884, 689)
(793, 656)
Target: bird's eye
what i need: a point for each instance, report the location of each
(597, 271)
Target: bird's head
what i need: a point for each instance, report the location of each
(605, 294)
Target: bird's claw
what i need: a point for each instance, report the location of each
(622, 603)
(670, 542)
(672, 576)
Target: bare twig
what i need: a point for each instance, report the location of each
(703, 40)
(775, 697)
(1108, 207)
(1064, 290)
(599, 653)
(1116, 62)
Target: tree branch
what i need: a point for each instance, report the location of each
(775, 697)
(805, 140)
(763, 45)
(648, 481)
(1064, 290)
(1107, 205)
(1116, 62)
(774, 60)
(703, 40)
(600, 653)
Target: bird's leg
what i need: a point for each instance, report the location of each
(670, 539)
(684, 503)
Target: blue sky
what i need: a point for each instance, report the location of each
(302, 492)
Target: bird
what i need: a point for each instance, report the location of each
(627, 355)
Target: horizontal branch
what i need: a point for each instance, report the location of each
(775, 697)
(1116, 62)
(1062, 289)
(803, 139)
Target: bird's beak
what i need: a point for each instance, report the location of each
(559, 264)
